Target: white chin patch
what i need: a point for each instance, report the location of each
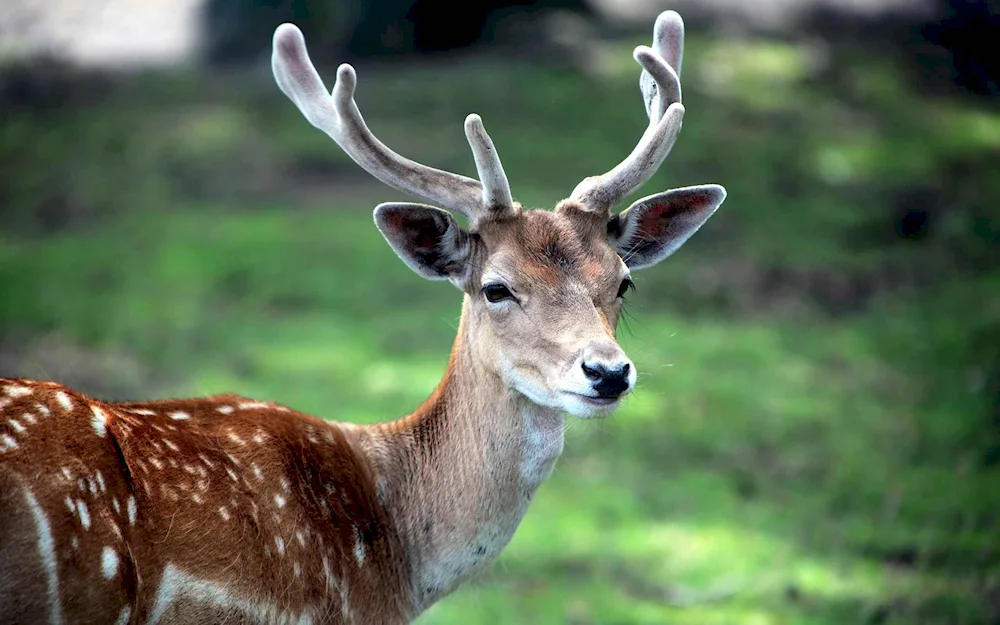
(584, 408)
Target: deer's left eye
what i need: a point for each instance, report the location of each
(625, 286)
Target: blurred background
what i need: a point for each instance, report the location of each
(815, 434)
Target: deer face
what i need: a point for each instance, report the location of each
(543, 304)
(544, 290)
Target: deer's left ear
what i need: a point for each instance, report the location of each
(427, 239)
(654, 227)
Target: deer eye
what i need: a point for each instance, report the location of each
(497, 292)
(625, 286)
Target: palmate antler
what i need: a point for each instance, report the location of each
(338, 116)
(661, 89)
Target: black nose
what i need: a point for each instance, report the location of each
(607, 382)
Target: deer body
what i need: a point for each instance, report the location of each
(230, 510)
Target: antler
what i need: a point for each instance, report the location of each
(661, 89)
(339, 117)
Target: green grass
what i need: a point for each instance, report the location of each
(810, 441)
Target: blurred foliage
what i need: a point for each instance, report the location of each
(235, 29)
(815, 434)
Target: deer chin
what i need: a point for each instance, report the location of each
(584, 406)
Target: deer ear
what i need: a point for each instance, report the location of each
(428, 239)
(654, 227)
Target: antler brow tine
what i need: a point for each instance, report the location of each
(337, 115)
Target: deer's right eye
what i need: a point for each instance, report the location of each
(497, 292)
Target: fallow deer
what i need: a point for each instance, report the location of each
(229, 510)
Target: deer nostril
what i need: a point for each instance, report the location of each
(607, 381)
(593, 373)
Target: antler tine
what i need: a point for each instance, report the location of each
(337, 115)
(496, 189)
(661, 90)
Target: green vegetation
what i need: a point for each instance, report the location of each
(811, 440)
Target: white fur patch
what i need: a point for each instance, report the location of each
(99, 421)
(109, 563)
(175, 585)
(64, 401)
(81, 508)
(14, 390)
(47, 553)
(124, 615)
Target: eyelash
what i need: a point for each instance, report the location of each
(624, 287)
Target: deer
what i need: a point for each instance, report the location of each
(226, 509)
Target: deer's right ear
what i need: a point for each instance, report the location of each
(428, 239)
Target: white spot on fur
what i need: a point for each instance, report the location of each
(301, 538)
(225, 409)
(197, 498)
(170, 445)
(156, 463)
(81, 507)
(131, 510)
(224, 513)
(99, 421)
(64, 401)
(109, 562)
(116, 506)
(30, 418)
(279, 542)
(359, 547)
(143, 411)
(47, 553)
(124, 615)
(259, 437)
(15, 390)
(92, 486)
(16, 425)
(180, 415)
(8, 443)
(100, 482)
(70, 504)
(257, 472)
(279, 501)
(232, 475)
(66, 473)
(285, 486)
(233, 436)
(253, 405)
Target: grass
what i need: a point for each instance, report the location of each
(811, 439)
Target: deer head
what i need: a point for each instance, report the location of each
(543, 289)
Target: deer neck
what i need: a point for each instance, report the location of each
(457, 475)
